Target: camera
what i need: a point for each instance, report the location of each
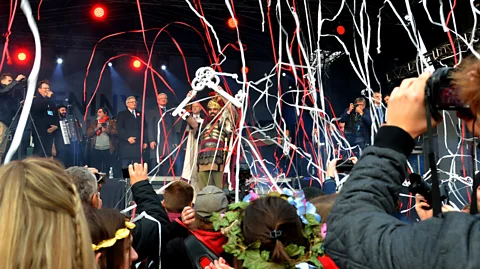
(344, 166)
(101, 178)
(418, 185)
(442, 94)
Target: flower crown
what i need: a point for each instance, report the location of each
(230, 225)
(119, 235)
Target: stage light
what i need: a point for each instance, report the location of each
(59, 61)
(340, 30)
(99, 12)
(22, 56)
(283, 74)
(163, 67)
(232, 23)
(136, 64)
(110, 64)
(245, 68)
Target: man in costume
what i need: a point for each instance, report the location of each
(215, 133)
(189, 172)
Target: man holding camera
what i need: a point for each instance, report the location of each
(362, 234)
(7, 106)
(357, 125)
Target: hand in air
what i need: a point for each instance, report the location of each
(137, 173)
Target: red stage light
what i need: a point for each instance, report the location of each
(340, 30)
(22, 56)
(137, 64)
(246, 69)
(99, 12)
(232, 23)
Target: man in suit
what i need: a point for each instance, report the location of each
(162, 136)
(44, 122)
(129, 132)
(381, 118)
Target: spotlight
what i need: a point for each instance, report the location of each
(283, 74)
(232, 23)
(136, 64)
(59, 61)
(98, 12)
(22, 56)
(163, 67)
(340, 30)
(245, 68)
(110, 64)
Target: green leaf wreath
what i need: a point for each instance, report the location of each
(230, 225)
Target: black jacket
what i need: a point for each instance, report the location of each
(362, 234)
(353, 120)
(8, 103)
(43, 113)
(145, 235)
(129, 126)
(170, 127)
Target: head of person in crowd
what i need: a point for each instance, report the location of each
(131, 102)
(360, 102)
(87, 186)
(377, 97)
(43, 88)
(209, 200)
(196, 108)
(162, 100)
(6, 78)
(43, 224)
(269, 216)
(102, 113)
(467, 80)
(386, 98)
(312, 192)
(324, 205)
(111, 238)
(62, 111)
(177, 196)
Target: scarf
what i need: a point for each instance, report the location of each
(105, 119)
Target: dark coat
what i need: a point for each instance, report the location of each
(8, 103)
(145, 235)
(169, 128)
(44, 114)
(363, 234)
(351, 121)
(129, 126)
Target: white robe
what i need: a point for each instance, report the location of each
(190, 164)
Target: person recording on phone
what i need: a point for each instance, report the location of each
(7, 106)
(102, 135)
(361, 232)
(44, 121)
(357, 125)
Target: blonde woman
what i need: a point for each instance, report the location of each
(43, 224)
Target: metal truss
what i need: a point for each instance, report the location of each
(437, 54)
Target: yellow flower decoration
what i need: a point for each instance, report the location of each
(119, 235)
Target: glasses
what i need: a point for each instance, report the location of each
(131, 102)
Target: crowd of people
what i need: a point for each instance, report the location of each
(47, 209)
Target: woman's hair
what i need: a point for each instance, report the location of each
(104, 223)
(43, 224)
(467, 79)
(268, 216)
(324, 205)
(202, 223)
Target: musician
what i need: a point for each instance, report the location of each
(129, 130)
(102, 134)
(7, 106)
(61, 150)
(44, 120)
